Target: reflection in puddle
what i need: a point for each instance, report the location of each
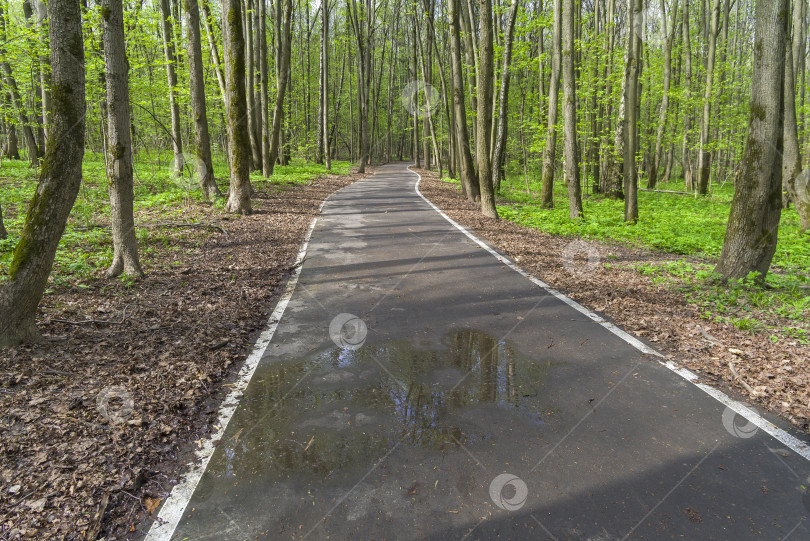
(338, 407)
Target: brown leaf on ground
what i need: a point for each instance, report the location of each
(132, 376)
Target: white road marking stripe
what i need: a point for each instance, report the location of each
(788, 440)
(174, 507)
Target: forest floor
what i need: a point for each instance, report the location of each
(703, 325)
(98, 421)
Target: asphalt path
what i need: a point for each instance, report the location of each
(417, 387)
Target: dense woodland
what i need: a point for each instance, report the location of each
(604, 97)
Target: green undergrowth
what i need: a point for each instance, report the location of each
(692, 228)
(161, 198)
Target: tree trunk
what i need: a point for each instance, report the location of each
(214, 52)
(252, 108)
(631, 100)
(652, 180)
(59, 180)
(264, 97)
(569, 112)
(469, 182)
(753, 224)
(30, 139)
(325, 82)
(486, 75)
(791, 157)
(233, 42)
(281, 91)
(171, 76)
(204, 166)
(550, 150)
(687, 100)
(704, 155)
(119, 143)
(36, 67)
(503, 100)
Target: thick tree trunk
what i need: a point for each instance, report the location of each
(3, 232)
(704, 155)
(499, 151)
(469, 182)
(486, 75)
(119, 143)
(59, 180)
(753, 224)
(550, 150)
(233, 42)
(281, 91)
(171, 76)
(569, 113)
(204, 166)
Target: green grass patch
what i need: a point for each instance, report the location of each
(160, 196)
(693, 227)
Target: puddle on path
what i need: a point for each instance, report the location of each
(338, 408)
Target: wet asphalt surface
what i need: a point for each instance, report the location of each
(452, 370)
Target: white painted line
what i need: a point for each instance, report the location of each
(174, 507)
(792, 442)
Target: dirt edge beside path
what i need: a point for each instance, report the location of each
(778, 373)
(98, 424)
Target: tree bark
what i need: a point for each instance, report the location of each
(569, 113)
(687, 100)
(238, 138)
(327, 158)
(791, 156)
(3, 232)
(631, 101)
(652, 181)
(119, 143)
(469, 182)
(503, 100)
(283, 70)
(171, 76)
(214, 52)
(485, 91)
(252, 108)
(704, 155)
(204, 166)
(30, 139)
(264, 96)
(550, 150)
(59, 180)
(753, 224)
